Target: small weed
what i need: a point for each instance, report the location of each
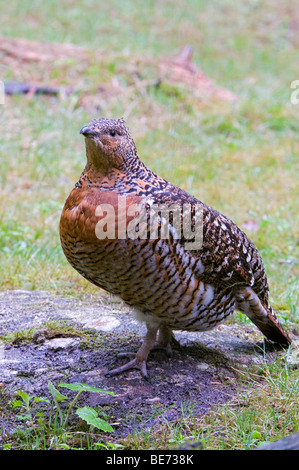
(47, 422)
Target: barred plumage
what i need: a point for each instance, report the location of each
(170, 286)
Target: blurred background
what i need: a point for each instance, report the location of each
(205, 88)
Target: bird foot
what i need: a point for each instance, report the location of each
(135, 363)
(162, 347)
(138, 360)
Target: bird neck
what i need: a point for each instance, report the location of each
(101, 165)
(98, 162)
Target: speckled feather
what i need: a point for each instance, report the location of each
(171, 287)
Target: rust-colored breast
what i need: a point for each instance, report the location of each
(89, 212)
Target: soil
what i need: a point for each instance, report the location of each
(203, 370)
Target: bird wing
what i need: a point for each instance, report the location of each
(226, 257)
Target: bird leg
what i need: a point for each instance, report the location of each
(165, 338)
(140, 358)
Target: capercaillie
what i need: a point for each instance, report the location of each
(179, 263)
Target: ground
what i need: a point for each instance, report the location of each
(203, 371)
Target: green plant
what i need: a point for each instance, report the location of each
(34, 420)
(87, 413)
(47, 421)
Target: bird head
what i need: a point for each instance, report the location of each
(108, 144)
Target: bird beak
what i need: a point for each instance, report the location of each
(88, 132)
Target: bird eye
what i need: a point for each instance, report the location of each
(112, 133)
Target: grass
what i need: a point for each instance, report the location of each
(266, 409)
(241, 158)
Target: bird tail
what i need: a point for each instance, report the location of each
(263, 317)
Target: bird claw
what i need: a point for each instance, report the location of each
(161, 347)
(133, 364)
(127, 354)
(136, 363)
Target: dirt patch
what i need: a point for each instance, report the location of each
(61, 69)
(202, 371)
